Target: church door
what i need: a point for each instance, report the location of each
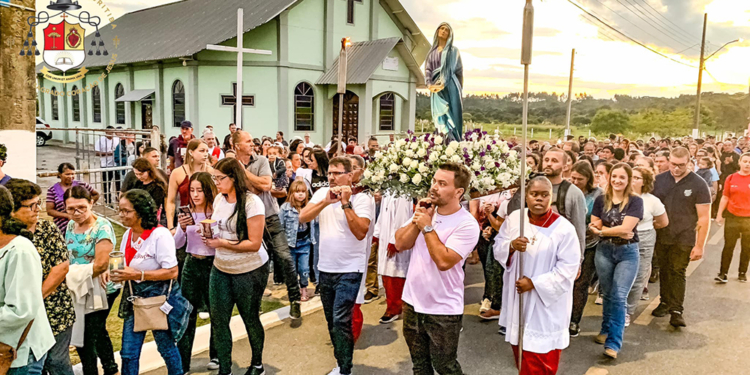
(350, 122)
(147, 114)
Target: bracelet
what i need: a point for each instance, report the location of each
(143, 275)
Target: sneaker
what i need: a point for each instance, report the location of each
(204, 315)
(369, 297)
(677, 320)
(386, 319)
(654, 277)
(627, 320)
(600, 338)
(213, 364)
(486, 305)
(721, 278)
(599, 300)
(611, 353)
(335, 371)
(501, 330)
(295, 311)
(574, 330)
(277, 283)
(645, 296)
(254, 370)
(660, 311)
(317, 290)
(490, 314)
(742, 277)
(303, 295)
(593, 289)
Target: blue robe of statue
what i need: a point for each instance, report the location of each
(447, 105)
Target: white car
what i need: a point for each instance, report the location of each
(42, 133)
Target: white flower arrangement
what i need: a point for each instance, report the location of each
(407, 166)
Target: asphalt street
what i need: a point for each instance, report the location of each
(714, 342)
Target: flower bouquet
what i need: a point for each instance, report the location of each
(406, 167)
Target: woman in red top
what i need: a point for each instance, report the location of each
(736, 202)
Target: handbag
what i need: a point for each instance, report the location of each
(147, 311)
(8, 353)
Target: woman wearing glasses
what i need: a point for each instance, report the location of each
(90, 239)
(55, 202)
(240, 270)
(50, 245)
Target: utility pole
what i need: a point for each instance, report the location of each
(17, 91)
(697, 120)
(570, 96)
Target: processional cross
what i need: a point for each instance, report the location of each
(238, 103)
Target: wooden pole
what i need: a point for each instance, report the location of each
(697, 119)
(570, 95)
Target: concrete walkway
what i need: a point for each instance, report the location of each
(714, 341)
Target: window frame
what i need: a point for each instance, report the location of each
(392, 116)
(119, 106)
(96, 104)
(300, 95)
(54, 104)
(177, 119)
(75, 104)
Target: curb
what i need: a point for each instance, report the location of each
(151, 359)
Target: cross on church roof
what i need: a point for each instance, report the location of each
(350, 10)
(247, 101)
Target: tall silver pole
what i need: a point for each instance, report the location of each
(528, 35)
(570, 95)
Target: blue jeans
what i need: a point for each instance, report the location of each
(338, 293)
(617, 266)
(33, 367)
(132, 342)
(301, 259)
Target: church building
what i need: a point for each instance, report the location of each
(164, 73)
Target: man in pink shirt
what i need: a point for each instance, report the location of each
(442, 235)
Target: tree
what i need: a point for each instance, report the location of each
(610, 121)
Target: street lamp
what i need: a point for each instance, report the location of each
(341, 88)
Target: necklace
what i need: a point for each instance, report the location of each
(533, 239)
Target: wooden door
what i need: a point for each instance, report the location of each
(350, 122)
(147, 115)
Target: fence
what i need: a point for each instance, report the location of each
(102, 159)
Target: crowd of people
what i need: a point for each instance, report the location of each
(603, 217)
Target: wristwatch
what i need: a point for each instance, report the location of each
(428, 229)
(345, 206)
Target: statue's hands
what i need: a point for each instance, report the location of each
(436, 88)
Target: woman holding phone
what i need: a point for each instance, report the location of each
(200, 259)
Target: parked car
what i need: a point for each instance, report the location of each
(43, 134)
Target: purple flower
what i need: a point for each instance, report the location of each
(482, 168)
(482, 154)
(489, 148)
(477, 173)
(466, 156)
(497, 165)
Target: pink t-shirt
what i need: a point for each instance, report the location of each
(430, 290)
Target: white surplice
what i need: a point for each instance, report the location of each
(551, 263)
(394, 212)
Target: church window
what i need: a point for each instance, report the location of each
(96, 100)
(76, 102)
(387, 112)
(119, 106)
(304, 107)
(350, 11)
(55, 105)
(178, 103)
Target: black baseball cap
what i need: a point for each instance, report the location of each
(186, 124)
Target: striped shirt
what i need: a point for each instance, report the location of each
(55, 196)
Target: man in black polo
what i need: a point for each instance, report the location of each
(688, 203)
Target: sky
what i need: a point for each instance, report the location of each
(488, 34)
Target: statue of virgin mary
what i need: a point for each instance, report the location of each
(445, 80)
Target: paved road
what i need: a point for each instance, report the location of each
(714, 341)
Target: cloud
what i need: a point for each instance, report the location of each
(502, 52)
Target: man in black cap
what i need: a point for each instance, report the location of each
(178, 146)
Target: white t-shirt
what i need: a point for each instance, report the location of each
(311, 144)
(229, 261)
(428, 289)
(340, 251)
(104, 144)
(652, 207)
(154, 253)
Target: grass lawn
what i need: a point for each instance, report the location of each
(114, 323)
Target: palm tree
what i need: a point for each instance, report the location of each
(54, 36)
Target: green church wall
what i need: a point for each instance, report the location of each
(359, 31)
(263, 37)
(306, 28)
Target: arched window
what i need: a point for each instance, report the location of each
(119, 106)
(96, 101)
(54, 100)
(387, 112)
(178, 103)
(304, 107)
(76, 102)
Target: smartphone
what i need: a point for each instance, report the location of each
(185, 210)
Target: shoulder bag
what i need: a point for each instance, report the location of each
(8, 353)
(147, 311)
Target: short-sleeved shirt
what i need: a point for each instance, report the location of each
(154, 253)
(737, 190)
(82, 246)
(104, 144)
(259, 166)
(55, 196)
(340, 250)
(5, 180)
(616, 215)
(229, 261)
(680, 199)
(652, 207)
(51, 247)
(428, 289)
